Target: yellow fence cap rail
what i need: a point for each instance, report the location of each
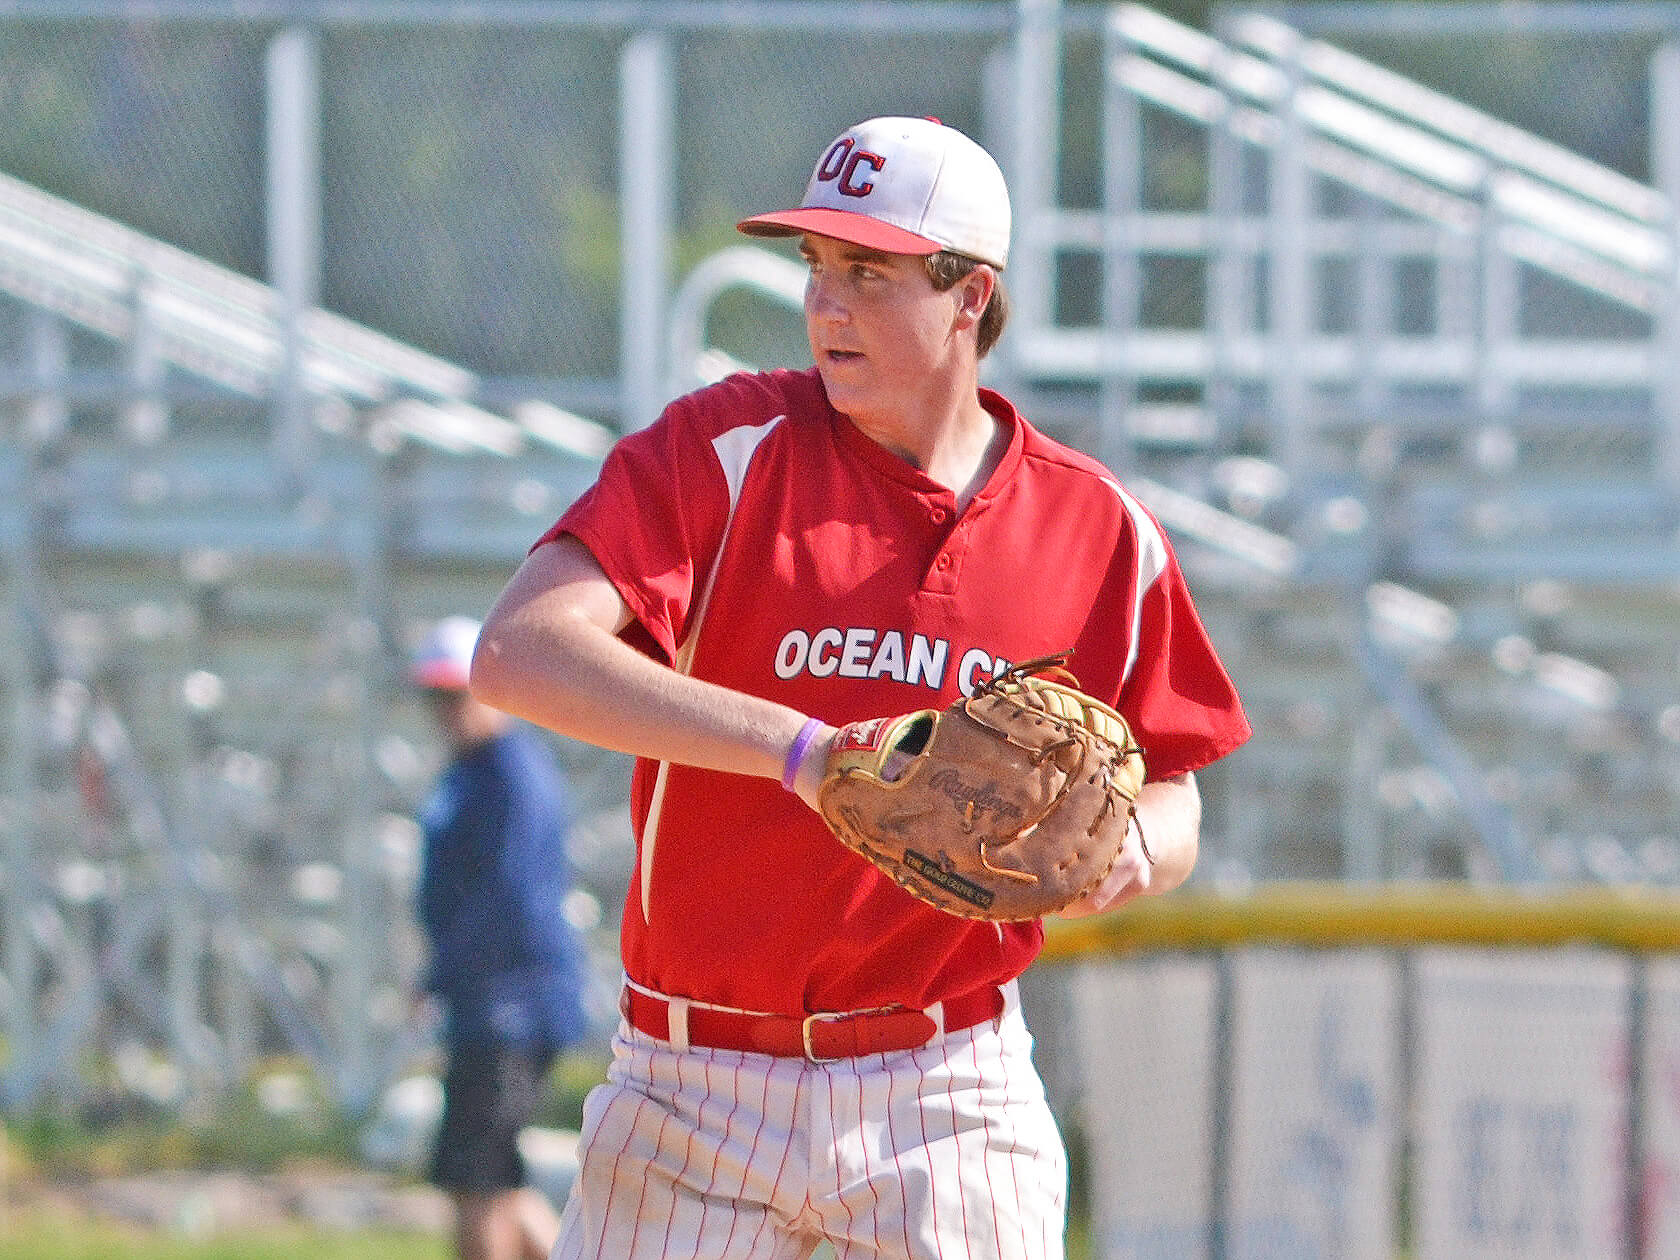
(1324, 913)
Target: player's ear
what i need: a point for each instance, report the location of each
(974, 293)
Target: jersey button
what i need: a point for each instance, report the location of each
(938, 516)
(943, 563)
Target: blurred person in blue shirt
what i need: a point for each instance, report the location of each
(506, 966)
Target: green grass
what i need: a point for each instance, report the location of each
(44, 1237)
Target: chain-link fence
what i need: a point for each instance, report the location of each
(469, 165)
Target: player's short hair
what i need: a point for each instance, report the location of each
(945, 269)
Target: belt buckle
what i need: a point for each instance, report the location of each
(811, 1055)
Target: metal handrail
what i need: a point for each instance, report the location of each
(1476, 198)
(1436, 157)
(1509, 145)
(228, 329)
(693, 360)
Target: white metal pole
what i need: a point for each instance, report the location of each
(1122, 268)
(1033, 164)
(1289, 280)
(44, 421)
(997, 85)
(294, 223)
(1665, 170)
(646, 158)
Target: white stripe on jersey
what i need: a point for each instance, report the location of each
(1151, 563)
(734, 451)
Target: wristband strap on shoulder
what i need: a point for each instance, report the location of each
(796, 753)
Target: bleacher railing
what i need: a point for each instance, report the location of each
(1435, 184)
(188, 329)
(232, 331)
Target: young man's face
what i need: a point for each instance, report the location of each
(881, 334)
(463, 720)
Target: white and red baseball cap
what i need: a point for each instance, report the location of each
(444, 658)
(903, 186)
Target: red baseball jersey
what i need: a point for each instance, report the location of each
(764, 543)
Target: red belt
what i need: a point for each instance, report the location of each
(820, 1037)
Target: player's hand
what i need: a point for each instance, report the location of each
(1127, 880)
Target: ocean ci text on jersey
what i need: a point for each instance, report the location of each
(865, 652)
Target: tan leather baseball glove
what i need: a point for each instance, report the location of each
(1008, 805)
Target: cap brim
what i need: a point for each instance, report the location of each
(842, 225)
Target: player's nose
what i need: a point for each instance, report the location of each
(823, 301)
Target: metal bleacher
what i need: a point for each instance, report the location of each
(218, 537)
(1419, 417)
(1402, 381)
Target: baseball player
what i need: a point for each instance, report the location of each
(807, 1051)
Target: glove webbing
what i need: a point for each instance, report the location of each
(1055, 663)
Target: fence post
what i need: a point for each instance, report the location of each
(1033, 162)
(1290, 306)
(1665, 171)
(1231, 266)
(42, 424)
(1122, 271)
(293, 201)
(1638, 1015)
(645, 155)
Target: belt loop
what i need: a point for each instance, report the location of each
(936, 1013)
(676, 1022)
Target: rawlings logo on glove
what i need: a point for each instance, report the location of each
(1008, 805)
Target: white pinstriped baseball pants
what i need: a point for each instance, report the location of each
(948, 1152)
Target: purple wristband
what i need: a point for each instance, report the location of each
(796, 754)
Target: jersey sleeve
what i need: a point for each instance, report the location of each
(1181, 703)
(653, 521)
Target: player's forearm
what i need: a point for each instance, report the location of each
(567, 674)
(1169, 812)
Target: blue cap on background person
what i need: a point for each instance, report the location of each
(444, 658)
